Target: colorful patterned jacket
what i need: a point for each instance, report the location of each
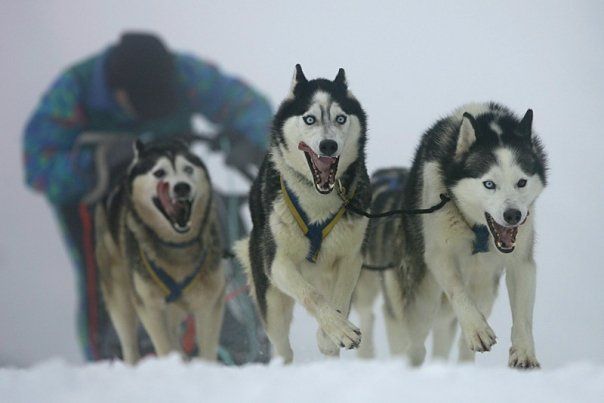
(79, 101)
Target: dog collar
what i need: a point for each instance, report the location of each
(315, 232)
(172, 288)
(481, 239)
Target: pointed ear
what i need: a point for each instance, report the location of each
(138, 147)
(467, 134)
(297, 79)
(299, 76)
(525, 128)
(341, 78)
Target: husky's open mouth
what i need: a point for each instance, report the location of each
(176, 211)
(505, 237)
(323, 168)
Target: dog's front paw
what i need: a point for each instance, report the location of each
(522, 358)
(339, 330)
(479, 335)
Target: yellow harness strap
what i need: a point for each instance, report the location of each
(315, 233)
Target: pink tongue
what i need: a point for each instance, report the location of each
(302, 146)
(505, 236)
(323, 163)
(163, 191)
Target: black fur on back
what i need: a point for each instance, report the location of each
(387, 190)
(440, 141)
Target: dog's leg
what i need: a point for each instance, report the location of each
(285, 275)
(443, 332)
(154, 321)
(363, 300)
(340, 296)
(465, 354)
(175, 316)
(278, 319)
(521, 283)
(123, 316)
(478, 334)
(419, 317)
(208, 317)
(396, 331)
(117, 292)
(482, 287)
(150, 310)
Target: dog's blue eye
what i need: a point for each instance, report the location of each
(160, 173)
(521, 183)
(309, 119)
(341, 119)
(489, 184)
(188, 170)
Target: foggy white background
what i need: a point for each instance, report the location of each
(407, 62)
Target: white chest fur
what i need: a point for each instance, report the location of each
(345, 238)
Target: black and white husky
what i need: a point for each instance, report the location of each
(159, 250)
(304, 246)
(493, 167)
(382, 250)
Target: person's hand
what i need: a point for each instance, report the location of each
(119, 153)
(113, 153)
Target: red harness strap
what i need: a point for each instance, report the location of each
(91, 279)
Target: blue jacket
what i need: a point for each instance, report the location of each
(80, 100)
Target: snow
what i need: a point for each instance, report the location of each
(408, 63)
(171, 380)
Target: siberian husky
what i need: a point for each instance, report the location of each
(159, 249)
(382, 251)
(305, 246)
(493, 167)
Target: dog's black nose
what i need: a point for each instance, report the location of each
(512, 216)
(328, 147)
(182, 189)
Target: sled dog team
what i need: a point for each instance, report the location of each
(159, 245)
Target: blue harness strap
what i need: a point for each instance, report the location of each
(172, 288)
(481, 239)
(315, 232)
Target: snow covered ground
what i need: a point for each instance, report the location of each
(171, 380)
(409, 63)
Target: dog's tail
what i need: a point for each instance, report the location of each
(242, 252)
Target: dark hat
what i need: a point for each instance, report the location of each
(141, 65)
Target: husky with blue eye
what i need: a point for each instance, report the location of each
(493, 167)
(159, 249)
(304, 246)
